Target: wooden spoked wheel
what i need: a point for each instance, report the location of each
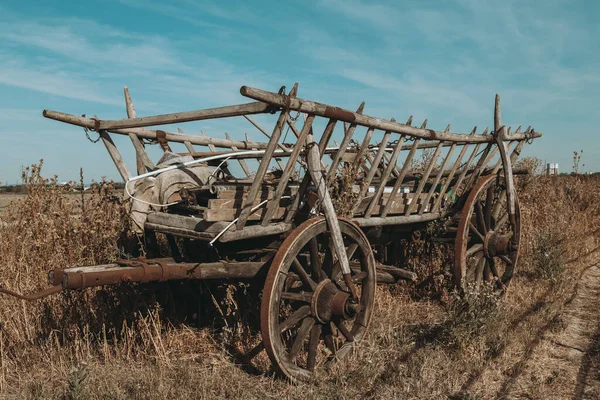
(487, 242)
(308, 316)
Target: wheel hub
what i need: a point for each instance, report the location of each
(496, 244)
(329, 302)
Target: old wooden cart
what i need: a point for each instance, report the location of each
(309, 211)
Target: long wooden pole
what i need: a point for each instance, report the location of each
(324, 110)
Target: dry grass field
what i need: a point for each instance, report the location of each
(141, 342)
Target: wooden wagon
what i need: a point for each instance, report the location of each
(309, 210)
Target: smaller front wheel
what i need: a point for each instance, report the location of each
(308, 317)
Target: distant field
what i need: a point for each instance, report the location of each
(6, 199)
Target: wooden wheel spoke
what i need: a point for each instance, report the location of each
(305, 297)
(313, 346)
(343, 330)
(486, 270)
(328, 261)
(303, 275)
(487, 209)
(479, 271)
(474, 249)
(472, 272)
(303, 332)
(480, 219)
(336, 271)
(506, 259)
(476, 232)
(498, 205)
(359, 277)
(315, 260)
(328, 338)
(493, 268)
(293, 319)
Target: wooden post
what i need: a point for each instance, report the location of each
(287, 171)
(314, 168)
(437, 180)
(281, 146)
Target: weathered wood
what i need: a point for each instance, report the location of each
(186, 116)
(450, 176)
(398, 273)
(264, 164)
(398, 205)
(142, 158)
(152, 134)
(401, 177)
(396, 220)
(438, 177)
(425, 177)
(280, 145)
(253, 231)
(237, 202)
(287, 172)
(316, 173)
(342, 148)
(141, 165)
(374, 168)
(229, 214)
(388, 170)
(242, 163)
(115, 155)
(324, 110)
(307, 179)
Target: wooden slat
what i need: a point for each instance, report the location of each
(425, 177)
(342, 148)
(287, 172)
(374, 168)
(386, 174)
(237, 202)
(242, 163)
(264, 164)
(451, 174)
(438, 176)
(402, 175)
(306, 179)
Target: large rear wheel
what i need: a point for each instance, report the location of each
(308, 316)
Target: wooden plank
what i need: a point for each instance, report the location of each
(229, 214)
(287, 172)
(115, 155)
(236, 203)
(398, 205)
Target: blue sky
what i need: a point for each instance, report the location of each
(441, 60)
